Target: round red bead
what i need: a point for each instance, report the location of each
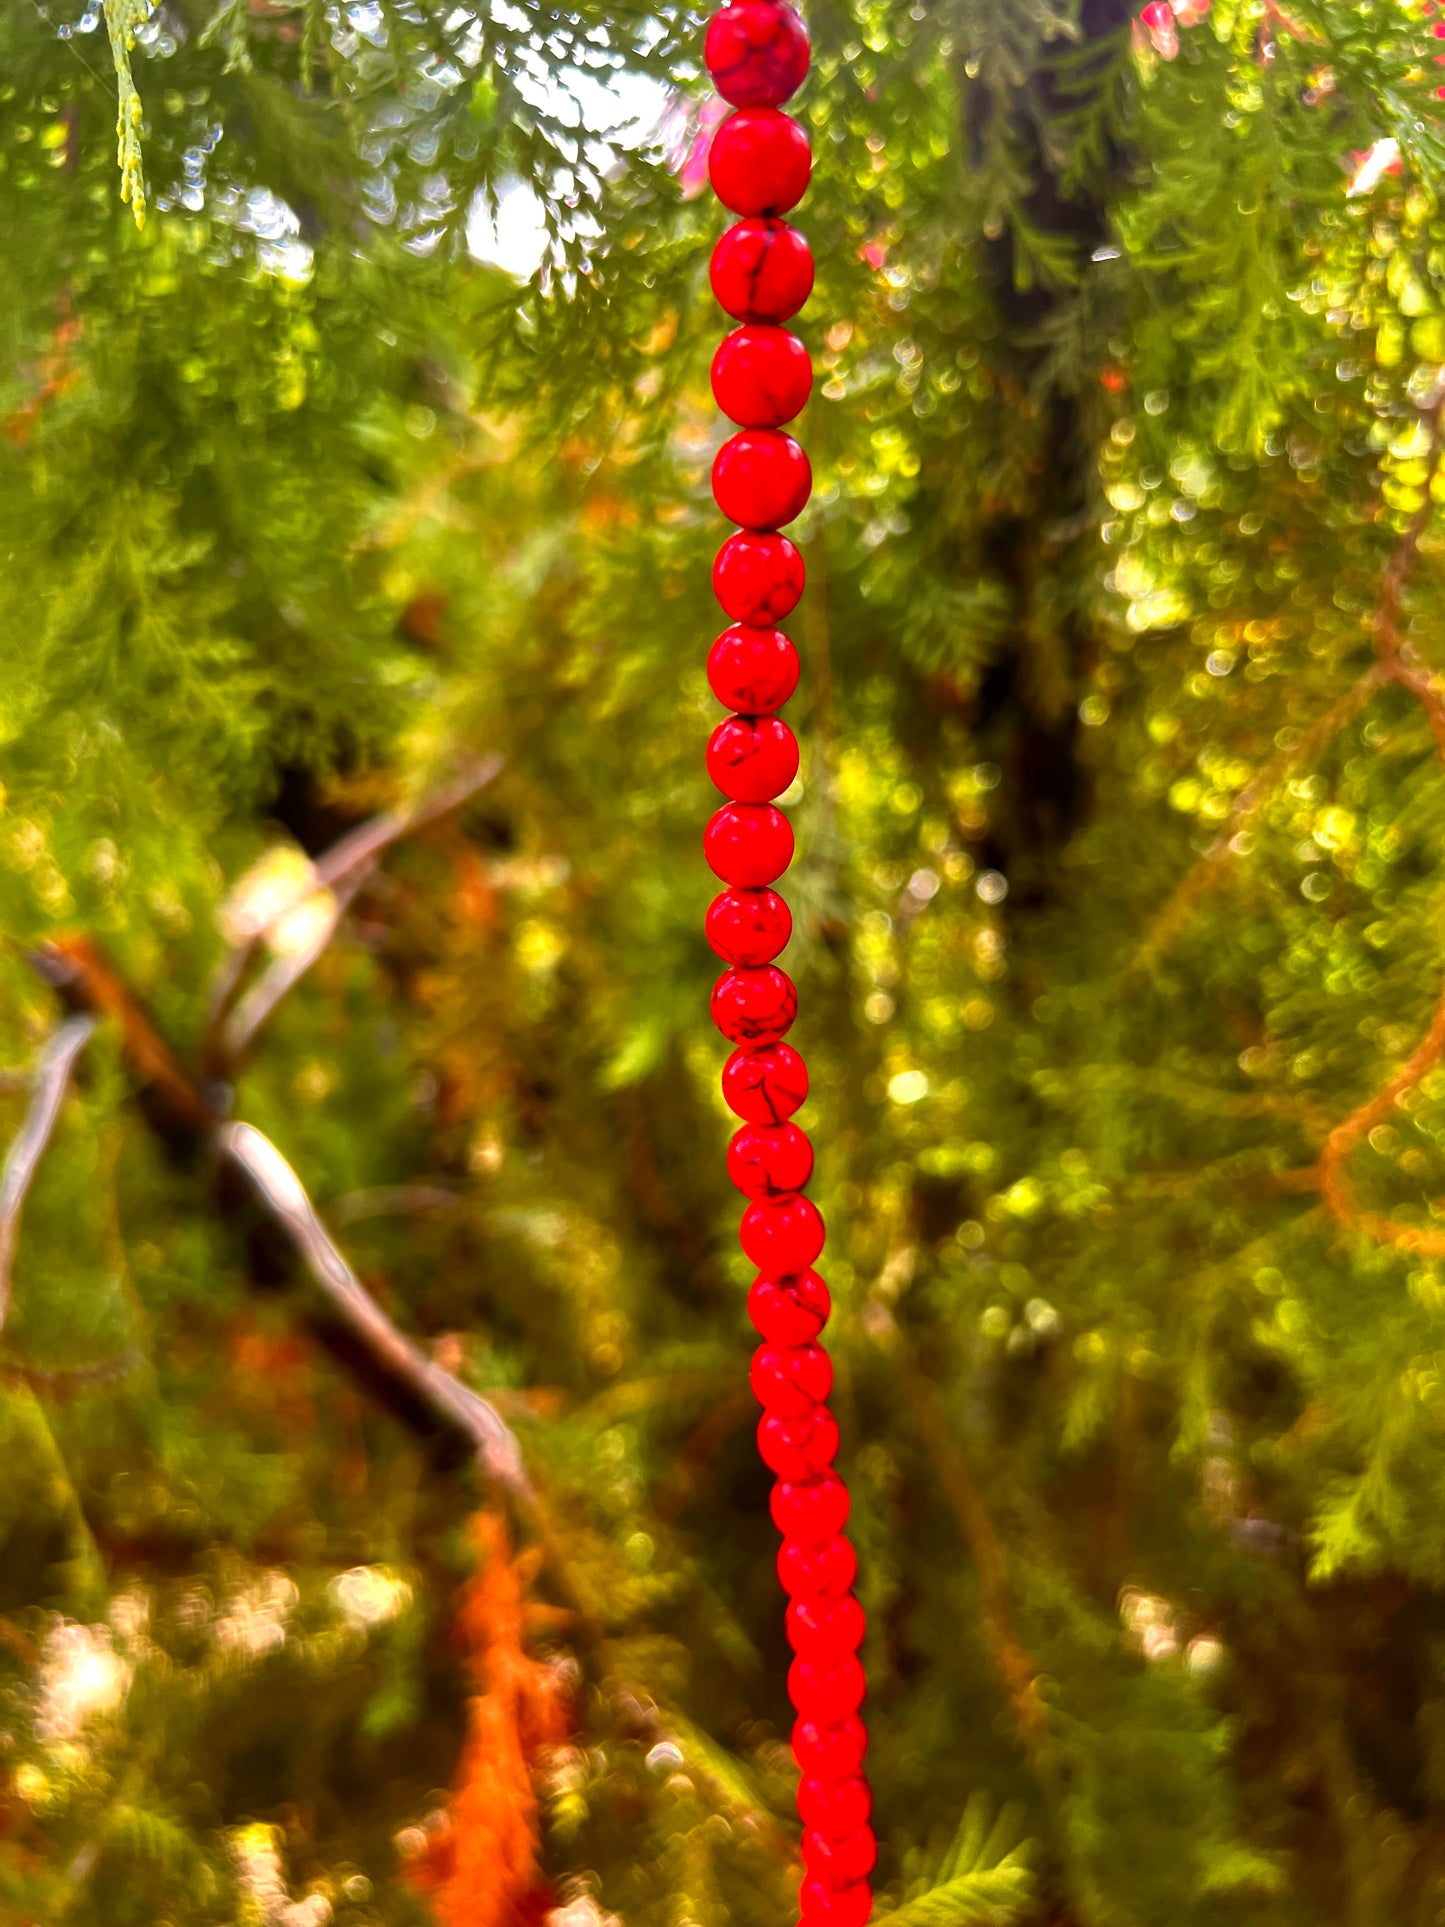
(756, 52)
(839, 1863)
(752, 758)
(764, 1086)
(761, 271)
(757, 1007)
(748, 844)
(754, 670)
(768, 1160)
(761, 478)
(758, 578)
(798, 1448)
(750, 927)
(822, 1905)
(780, 1235)
(824, 1571)
(761, 376)
(830, 1752)
(826, 1689)
(789, 1311)
(811, 1511)
(759, 161)
(791, 1380)
(834, 1807)
(826, 1629)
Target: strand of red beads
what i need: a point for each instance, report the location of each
(762, 273)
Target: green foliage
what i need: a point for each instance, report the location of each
(1118, 893)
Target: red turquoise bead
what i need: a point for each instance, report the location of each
(761, 271)
(826, 1629)
(765, 1086)
(758, 578)
(791, 1379)
(798, 1448)
(821, 1905)
(835, 1807)
(756, 52)
(781, 1235)
(752, 759)
(769, 1160)
(761, 376)
(748, 844)
(759, 161)
(822, 1571)
(839, 1863)
(812, 1511)
(831, 1752)
(758, 1007)
(750, 927)
(761, 478)
(826, 1689)
(754, 670)
(789, 1311)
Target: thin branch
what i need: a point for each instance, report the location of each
(391, 1201)
(1213, 866)
(455, 1407)
(343, 870)
(52, 1074)
(1395, 655)
(61, 1381)
(1017, 1671)
(1394, 663)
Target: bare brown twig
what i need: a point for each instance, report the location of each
(454, 1405)
(52, 1075)
(343, 870)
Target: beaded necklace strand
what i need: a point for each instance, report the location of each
(762, 273)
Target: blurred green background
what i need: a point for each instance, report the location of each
(379, 452)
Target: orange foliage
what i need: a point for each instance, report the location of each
(482, 1868)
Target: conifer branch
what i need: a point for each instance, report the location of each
(1393, 664)
(52, 1075)
(1394, 652)
(1017, 1670)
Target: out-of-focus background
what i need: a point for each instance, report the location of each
(354, 551)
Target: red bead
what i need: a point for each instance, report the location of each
(756, 52)
(764, 1086)
(826, 1629)
(761, 478)
(750, 927)
(754, 670)
(758, 578)
(811, 1511)
(761, 376)
(761, 271)
(821, 1905)
(779, 1235)
(839, 1863)
(757, 1007)
(791, 1380)
(752, 758)
(789, 1311)
(798, 1448)
(830, 1752)
(824, 1571)
(834, 1807)
(826, 1689)
(767, 1160)
(759, 161)
(748, 843)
